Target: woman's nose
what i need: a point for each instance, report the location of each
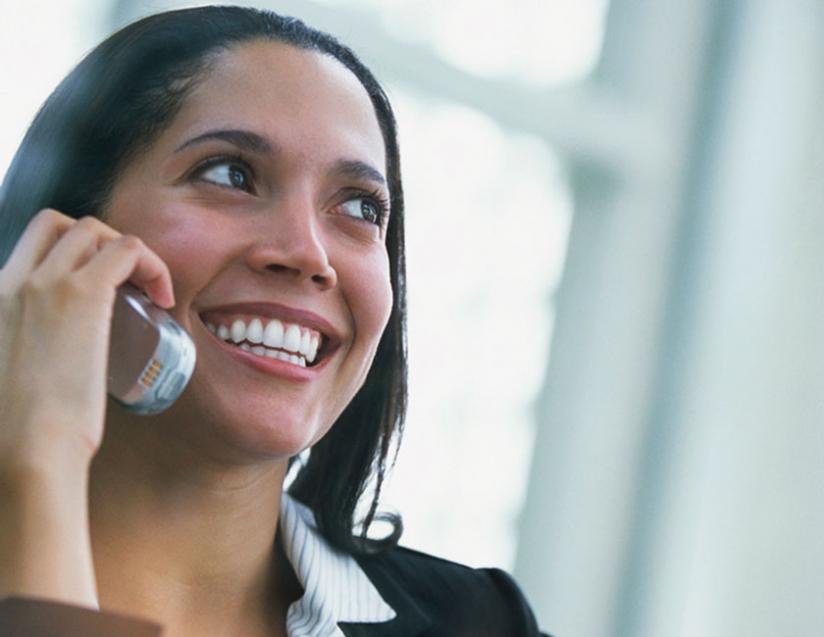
(290, 243)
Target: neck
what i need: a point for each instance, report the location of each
(181, 538)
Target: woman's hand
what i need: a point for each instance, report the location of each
(57, 294)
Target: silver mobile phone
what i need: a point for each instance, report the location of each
(151, 357)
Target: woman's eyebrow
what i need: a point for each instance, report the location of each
(252, 142)
(356, 169)
(243, 139)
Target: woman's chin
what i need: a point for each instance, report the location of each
(254, 431)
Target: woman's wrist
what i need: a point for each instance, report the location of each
(45, 546)
(45, 457)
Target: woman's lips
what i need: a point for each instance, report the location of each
(267, 310)
(286, 341)
(325, 337)
(272, 366)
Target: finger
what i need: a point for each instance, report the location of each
(128, 258)
(76, 246)
(43, 231)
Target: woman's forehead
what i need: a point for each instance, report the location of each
(300, 100)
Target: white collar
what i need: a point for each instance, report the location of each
(336, 588)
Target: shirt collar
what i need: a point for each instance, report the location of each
(336, 588)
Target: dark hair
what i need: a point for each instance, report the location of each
(115, 103)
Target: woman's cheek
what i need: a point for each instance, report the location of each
(376, 292)
(190, 245)
(385, 294)
(381, 295)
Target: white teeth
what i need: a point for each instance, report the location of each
(291, 340)
(313, 348)
(305, 342)
(254, 333)
(294, 359)
(273, 336)
(238, 331)
(302, 343)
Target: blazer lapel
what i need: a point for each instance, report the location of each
(411, 620)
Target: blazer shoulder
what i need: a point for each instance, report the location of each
(484, 600)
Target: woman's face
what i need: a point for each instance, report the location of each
(261, 197)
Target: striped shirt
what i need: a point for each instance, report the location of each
(336, 588)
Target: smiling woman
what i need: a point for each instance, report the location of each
(243, 170)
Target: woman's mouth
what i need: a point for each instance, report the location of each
(271, 338)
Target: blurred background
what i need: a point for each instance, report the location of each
(616, 289)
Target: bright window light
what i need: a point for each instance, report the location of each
(487, 221)
(536, 41)
(40, 42)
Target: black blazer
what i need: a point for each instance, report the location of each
(432, 597)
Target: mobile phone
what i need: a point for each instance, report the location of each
(151, 357)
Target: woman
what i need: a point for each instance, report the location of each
(243, 170)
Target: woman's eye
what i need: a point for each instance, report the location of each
(364, 208)
(229, 174)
